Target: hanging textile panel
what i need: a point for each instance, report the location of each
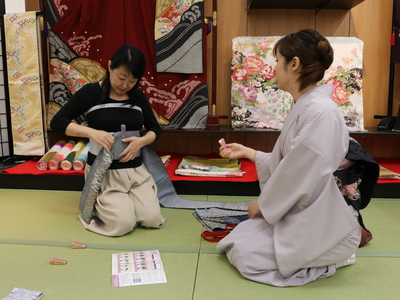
(5, 138)
(179, 36)
(83, 36)
(256, 100)
(22, 32)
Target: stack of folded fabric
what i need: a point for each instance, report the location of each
(166, 159)
(209, 167)
(385, 173)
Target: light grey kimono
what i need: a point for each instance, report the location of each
(305, 227)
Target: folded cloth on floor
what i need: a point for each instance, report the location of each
(23, 294)
(216, 219)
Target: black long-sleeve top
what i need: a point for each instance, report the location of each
(107, 116)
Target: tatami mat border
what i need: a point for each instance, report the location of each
(116, 247)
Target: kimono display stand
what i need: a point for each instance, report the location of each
(213, 119)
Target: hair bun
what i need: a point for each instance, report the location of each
(325, 52)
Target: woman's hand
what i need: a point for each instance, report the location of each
(134, 146)
(253, 209)
(103, 138)
(233, 151)
(236, 151)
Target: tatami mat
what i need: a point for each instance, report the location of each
(370, 278)
(36, 225)
(87, 275)
(50, 218)
(382, 217)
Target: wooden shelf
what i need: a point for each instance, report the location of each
(203, 141)
(222, 129)
(225, 129)
(375, 132)
(302, 4)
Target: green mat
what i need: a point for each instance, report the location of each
(36, 225)
(87, 275)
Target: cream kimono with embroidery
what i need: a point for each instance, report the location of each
(304, 220)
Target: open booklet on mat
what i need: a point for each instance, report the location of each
(137, 268)
(209, 167)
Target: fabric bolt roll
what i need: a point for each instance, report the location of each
(42, 164)
(55, 162)
(66, 164)
(80, 161)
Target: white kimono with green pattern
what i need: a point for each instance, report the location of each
(305, 226)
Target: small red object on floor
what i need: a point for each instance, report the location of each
(216, 236)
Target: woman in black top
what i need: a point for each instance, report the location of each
(128, 193)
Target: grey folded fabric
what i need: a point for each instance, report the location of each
(23, 294)
(214, 219)
(93, 183)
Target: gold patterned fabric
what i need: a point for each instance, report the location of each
(24, 83)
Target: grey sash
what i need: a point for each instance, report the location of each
(166, 191)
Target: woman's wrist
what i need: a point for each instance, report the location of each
(250, 154)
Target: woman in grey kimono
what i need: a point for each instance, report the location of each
(300, 228)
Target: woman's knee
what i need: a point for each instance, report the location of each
(153, 221)
(123, 227)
